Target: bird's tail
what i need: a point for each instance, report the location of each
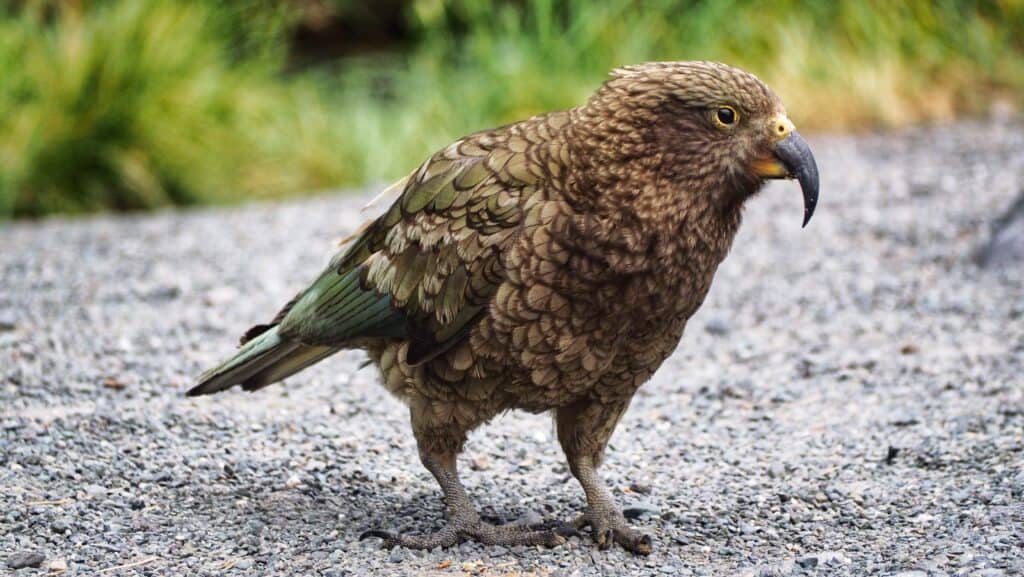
(265, 359)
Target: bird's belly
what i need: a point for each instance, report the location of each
(523, 356)
(551, 362)
(467, 396)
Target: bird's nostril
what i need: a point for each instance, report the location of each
(781, 128)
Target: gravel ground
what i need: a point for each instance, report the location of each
(849, 401)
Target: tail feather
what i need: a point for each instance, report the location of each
(296, 360)
(259, 354)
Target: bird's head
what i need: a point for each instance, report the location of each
(708, 128)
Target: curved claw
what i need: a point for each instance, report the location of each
(607, 533)
(644, 545)
(388, 537)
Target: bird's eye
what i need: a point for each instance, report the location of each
(726, 116)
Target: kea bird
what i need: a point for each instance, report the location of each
(547, 265)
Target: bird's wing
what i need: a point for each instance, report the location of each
(427, 268)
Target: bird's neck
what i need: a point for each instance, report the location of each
(622, 178)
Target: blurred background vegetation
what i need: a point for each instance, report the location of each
(134, 104)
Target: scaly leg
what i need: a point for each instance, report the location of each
(583, 431)
(438, 449)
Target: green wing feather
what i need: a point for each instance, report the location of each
(336, 309)
(418, 271)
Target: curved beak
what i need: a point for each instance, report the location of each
(793, 159)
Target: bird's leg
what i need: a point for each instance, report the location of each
(583, 431)
(438, 453)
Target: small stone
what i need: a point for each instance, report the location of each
(165, 292)
(641, 509)
(781, 569)
(58, 566)
(254, 527)
(60, 526)
(1006, 247)
(913, 573)
(717, 326)
(890, 455)
(113, 383)
(807, 562)
(642, 488)
(529, 518)
(833, 558)
(23, 559)
(243, 564)
(904, 419)
(220, 295)
(480, 463)
(158, 477)
(738, 390)
(293, 482)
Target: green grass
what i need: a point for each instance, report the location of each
(134, 104)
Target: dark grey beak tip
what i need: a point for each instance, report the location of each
(796, 155)
(808, 211)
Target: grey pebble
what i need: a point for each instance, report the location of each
(1006, 247)
(529, 518)
(23, 559)
(7, 321)
(717, 326)
(641, 509)
(807, 562)
(641, 488)
(60, 526)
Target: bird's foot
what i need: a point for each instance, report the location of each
(471, 527)
(608, 528)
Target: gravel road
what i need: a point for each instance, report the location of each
(849, 401)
